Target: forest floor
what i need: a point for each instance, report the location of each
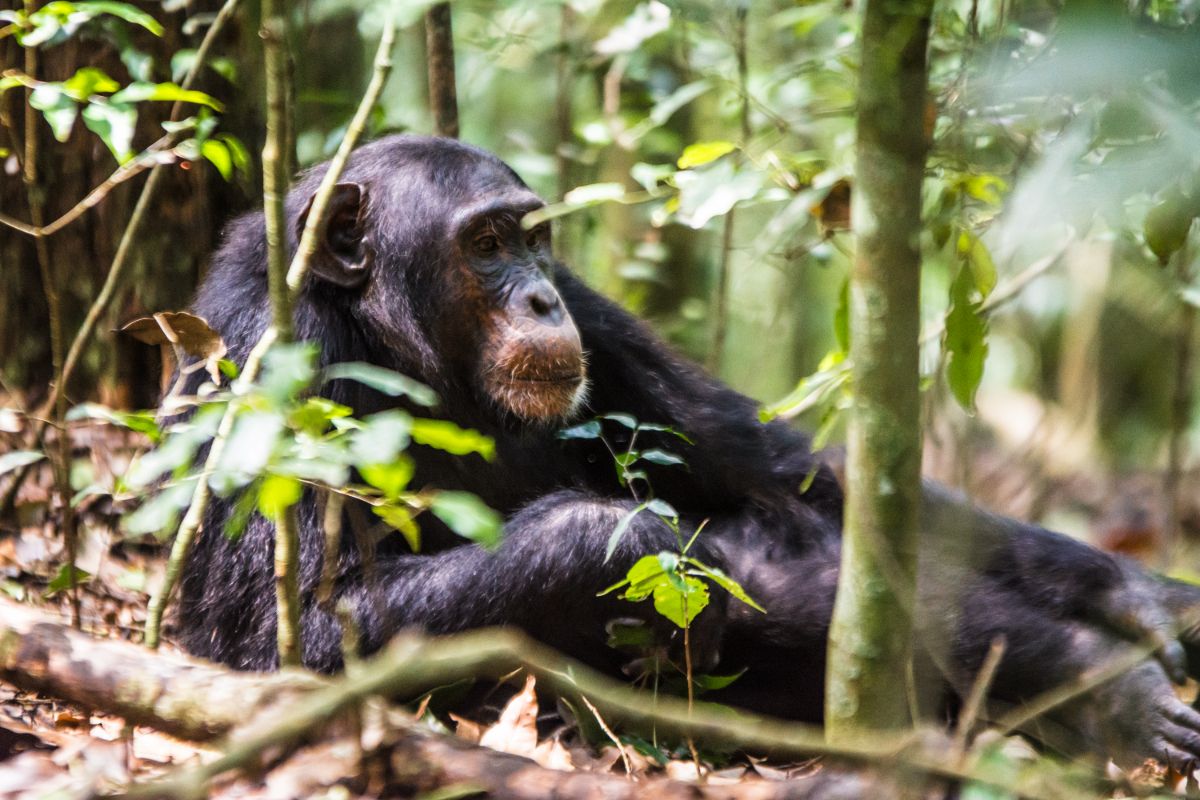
(51, 748)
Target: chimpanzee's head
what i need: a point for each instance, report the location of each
(425, 236)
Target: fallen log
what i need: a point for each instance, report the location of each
(259, 713)
(186, 697)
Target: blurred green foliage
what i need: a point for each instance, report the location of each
(1064, 139)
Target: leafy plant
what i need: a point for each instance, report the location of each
(677, 583)
(285, 441)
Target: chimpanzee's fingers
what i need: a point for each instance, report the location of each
(1175, 757)
(1182, 714)
(1173, 659)
(1183, 738)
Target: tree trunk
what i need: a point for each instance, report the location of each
(439, 50)
(869, 684)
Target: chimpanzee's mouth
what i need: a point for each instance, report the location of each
(573, 378)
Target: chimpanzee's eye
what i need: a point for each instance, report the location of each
(487, 244)
(534, 238)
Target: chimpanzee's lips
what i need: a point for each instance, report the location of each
(551, 379)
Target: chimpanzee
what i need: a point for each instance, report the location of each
(427, 270)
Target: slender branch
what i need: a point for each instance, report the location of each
(979, 692)
(60, 460)
(195, 513)
(720, 295)
(148, 159)
(1181, 412)
(318, 214)
(439, 52)
(1079, 686)
(287, 588)
(274, 161)
(335, 503)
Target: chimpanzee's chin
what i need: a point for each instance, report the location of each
(544, 403)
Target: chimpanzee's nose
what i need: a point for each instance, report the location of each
(540, 301)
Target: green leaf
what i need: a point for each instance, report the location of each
(237, 152)
(95, 8)
(681, 606)
(1167, 224)
(218, 155)
(965, 341)
(588, 430)
(88, 81)
(449, 437)
(714, 190)
(643, 577)
(63, 580)
(160, 513)
(469, 517)
(662, 508)
(316, 414)
(288, 369)
(713, 683)
(986, 188)
(390, 479)
(383, 380)
(655, 427)
(580, 197)
(725, 582)
(58, 109)
(382, 438)
(662, 457)
(277, 494)
(140, 421)
(19, 458)
(114, 123)
(622, 525)
(980, 261)
(247, 451)
(401, 518)
(841, 317)
(140, 91)
(628, 420)
(695, 155)
(178, 447)
(243, 507)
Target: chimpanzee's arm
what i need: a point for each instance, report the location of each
(543, 578)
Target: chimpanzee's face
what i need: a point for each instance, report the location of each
(433, 244)
(530, 360)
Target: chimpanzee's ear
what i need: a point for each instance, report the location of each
(344, 254)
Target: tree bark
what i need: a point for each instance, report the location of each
(869, 684)
(182, 696)
(439, 51)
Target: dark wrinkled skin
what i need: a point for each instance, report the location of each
(400, 282)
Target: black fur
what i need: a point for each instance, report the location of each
(1050, 597)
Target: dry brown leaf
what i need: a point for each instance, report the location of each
(552, 755)
(467, 730)
(516, 730)
(150, 745)
(682, 771)
(187, 331)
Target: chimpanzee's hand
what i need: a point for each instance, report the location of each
(1133, 717)
(647, 638)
